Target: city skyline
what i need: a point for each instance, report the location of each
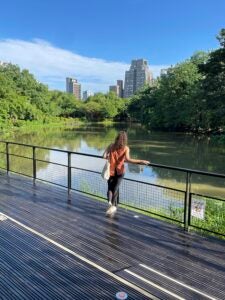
(56, 45)
(135, 78)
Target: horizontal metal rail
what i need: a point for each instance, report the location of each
(98, 156)
(209, 197)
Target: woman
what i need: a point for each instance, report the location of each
(117, 153)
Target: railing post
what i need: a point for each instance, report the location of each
(7, 157)
(187, 203)
(189, 210)
(34, 165)
(69, 172)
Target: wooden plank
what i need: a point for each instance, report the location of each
(120, 243)
(32, 268)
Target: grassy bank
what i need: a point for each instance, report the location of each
(9, 127)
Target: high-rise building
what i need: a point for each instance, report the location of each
(73, 87)
(120, 85)
(87, 94)
(117, 89)
(138, 75)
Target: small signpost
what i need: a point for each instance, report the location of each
(198, 209)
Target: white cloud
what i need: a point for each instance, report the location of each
(51, 65)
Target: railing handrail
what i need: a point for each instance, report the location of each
(193, 171)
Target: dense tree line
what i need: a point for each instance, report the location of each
(22, 97)
(190, 96)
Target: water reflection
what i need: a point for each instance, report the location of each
(135, 168)
(174, 149)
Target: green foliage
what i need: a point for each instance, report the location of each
(176, 94)
(171, 102)
(189, 97)
(104, 106)
(213, 85)
(200, 57)
(221, 37)
(214, 216)
(22, 97)
(64, 104)
(143, 106)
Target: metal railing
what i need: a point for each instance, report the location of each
(76, 172)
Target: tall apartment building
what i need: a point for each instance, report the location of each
(117, 89)
(138, 75)
(87, 94)
(120, 85)
(73, 87)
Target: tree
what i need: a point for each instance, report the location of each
(213, 86)
(221, 37)
(171, 103)
(142, 106)
(199, 57)
(22, 97)
(103, 106)
(63, 104)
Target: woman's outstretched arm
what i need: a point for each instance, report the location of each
(135, 161)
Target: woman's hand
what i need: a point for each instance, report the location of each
(145, 162)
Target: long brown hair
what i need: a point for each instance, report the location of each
(120, 140)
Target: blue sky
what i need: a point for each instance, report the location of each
(95, 40)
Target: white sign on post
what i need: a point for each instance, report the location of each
(198, 209)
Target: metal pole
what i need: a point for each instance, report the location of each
(187, 203)
(69, 172)
(34, 165)
(189, 210)
(7, 157)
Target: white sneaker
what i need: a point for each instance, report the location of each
(108, 211)
(113, 209)
(110, 203)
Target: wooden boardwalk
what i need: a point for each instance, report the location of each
(52, 248)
